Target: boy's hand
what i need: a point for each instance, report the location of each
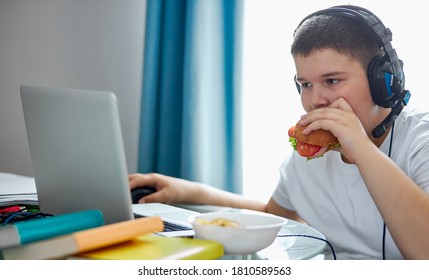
(341, 121)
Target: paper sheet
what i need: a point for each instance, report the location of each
(17, 189)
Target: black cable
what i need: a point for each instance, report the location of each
(384, 241)
(313, 237)
(13, 217)
(383, 246)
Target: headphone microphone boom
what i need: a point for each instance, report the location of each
(380, 129)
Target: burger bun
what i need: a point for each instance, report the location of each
(318, 137)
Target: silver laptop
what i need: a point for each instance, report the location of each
(78, 156)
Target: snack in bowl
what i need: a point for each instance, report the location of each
(311, 145)
(222, 222)
(240, 232)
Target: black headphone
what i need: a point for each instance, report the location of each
(385, 72)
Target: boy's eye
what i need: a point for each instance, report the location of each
(305, 85)
(332, 81)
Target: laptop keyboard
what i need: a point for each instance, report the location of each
(167, 225)
(174, 227)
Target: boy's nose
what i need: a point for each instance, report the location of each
(318, 98)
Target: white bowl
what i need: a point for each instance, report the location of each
(255, 231)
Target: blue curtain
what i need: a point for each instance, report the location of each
(190, 110)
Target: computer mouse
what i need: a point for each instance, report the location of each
(140, 192)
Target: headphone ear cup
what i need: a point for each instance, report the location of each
(379, 77)
(298, 86)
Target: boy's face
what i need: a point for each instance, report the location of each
(326, 75)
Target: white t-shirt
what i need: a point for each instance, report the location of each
(331, 196)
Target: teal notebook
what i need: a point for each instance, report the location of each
(24, 232)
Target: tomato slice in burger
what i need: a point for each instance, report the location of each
(307, 150)
(290, 131)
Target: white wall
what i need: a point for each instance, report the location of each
(91, 44)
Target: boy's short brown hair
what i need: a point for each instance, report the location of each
(348, 36)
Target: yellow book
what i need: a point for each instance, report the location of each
(82, 241)
(156, 247)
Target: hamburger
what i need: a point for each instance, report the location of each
(312, 145)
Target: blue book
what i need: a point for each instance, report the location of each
(24, 232)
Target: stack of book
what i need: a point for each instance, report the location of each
(83, 235)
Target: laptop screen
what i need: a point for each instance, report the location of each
(77, 151)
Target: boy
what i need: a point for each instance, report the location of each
(369, 197)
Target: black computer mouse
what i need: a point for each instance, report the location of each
(140, 192)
